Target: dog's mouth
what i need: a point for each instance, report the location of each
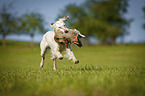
(78, 44)
(78, 41)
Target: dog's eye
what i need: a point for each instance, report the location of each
(64, 25)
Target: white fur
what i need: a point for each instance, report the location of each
(48, 43)
(79, 33)
(60, 25)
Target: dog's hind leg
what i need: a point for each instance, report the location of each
(42, 62)
(43, 57)
(43, 51)
(54, 63)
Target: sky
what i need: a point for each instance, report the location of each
(51, 8)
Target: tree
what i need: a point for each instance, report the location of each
(31, 23)
(103, 18)
(111, 13)
(8, 22)
(144, 16)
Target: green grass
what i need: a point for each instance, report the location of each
(103, 71)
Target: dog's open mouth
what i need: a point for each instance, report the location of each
(78, 42)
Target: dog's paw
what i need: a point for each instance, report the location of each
(76, 61)
(60, 58)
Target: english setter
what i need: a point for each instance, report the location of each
(57, 43)
(58, 40)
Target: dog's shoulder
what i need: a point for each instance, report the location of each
(49, 35)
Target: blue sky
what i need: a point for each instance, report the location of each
(51, 8)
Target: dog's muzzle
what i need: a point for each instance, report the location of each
(78, 41)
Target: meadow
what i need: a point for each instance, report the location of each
(117, 70)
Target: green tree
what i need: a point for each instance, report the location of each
(31, 23)
(111, 14)
(105, 19)
(8, 23)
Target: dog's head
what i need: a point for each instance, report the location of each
(72, 36)
(60, 25)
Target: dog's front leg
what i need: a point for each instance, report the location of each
(56, 53)
(70, 55)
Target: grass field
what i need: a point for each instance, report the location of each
(103, 71)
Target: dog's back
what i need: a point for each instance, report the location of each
(48, 39)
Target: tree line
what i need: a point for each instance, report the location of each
(28, 23)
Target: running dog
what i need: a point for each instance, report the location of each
(58, 42)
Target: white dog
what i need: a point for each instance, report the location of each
(57, 43)
(59, 40)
